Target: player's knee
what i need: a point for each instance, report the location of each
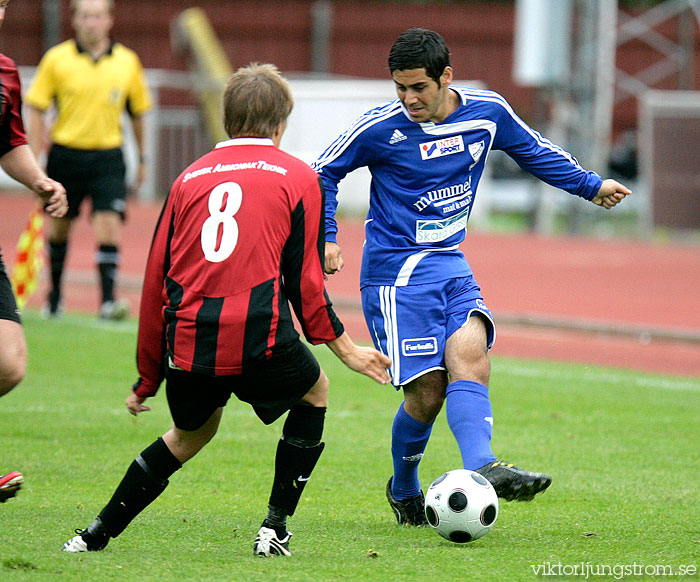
(186, 444)
(318, 394)
(424, 406)
(482, 369)
(425, 396)
(424, 410)
(13, 361)
(432, 405)
(474, 365)
(11, 376)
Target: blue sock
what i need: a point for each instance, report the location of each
(470, 419)
(409, 437)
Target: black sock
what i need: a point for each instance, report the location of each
(304, 425)
(107, 259)
(95, 536)
(277, 519)
(145, 479)
(57, 258)
(298, 452)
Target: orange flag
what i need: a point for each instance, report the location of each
(30, 257)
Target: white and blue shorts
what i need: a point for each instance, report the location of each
(411, 323)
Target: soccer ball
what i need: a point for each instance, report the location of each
(461, 506)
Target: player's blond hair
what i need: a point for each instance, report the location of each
(75, 3)
(257, 99)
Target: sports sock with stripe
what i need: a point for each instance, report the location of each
(470, 419)
(107, 259)
(409, 438)
(298, 452)
(145, 479)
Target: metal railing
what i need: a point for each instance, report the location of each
(175, 135)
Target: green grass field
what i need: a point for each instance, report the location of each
(621, 446)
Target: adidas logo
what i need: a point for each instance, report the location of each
(396, 137)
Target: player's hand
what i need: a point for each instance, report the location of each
(369, 362)
(610, 194)
(334, 258)
(54, 196)
(134, 404)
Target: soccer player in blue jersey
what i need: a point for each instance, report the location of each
(426, 152)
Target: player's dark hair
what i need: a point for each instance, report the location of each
(257, 99)
(418, 48)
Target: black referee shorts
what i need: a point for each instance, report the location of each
(96, 174)
(8, 305)
(271, 387)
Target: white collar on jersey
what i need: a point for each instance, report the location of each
(245, 141)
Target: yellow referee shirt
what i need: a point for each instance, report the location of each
(89, 96)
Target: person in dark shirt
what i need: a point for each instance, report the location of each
(240, 238)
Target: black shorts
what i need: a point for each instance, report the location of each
(8, 305)
(271, 386)
(96, 174)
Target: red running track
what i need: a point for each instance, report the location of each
(635, 299)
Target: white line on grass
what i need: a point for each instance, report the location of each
(600, 377)
(534, 371)
(87, 321)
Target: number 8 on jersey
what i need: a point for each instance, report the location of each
(221, 215)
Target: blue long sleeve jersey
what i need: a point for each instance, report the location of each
(425, 177)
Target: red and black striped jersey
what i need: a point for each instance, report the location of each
(240, 237)
(11, 127)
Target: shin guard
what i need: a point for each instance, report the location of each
(145, 479)
(293, 467)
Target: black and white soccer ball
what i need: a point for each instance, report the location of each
(461, 505)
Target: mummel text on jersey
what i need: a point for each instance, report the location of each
(425, 177)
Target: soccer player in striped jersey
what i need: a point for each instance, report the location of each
(426, 152)
(17, 159)
(240, 237)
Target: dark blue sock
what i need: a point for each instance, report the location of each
(409, 437)
(470, 419)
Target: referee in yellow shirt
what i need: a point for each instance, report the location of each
(91, 80)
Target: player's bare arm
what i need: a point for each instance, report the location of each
(367, 361)
(137, 123)
(610, 194)
(21, 165)
(334, 258)
(37, 132)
